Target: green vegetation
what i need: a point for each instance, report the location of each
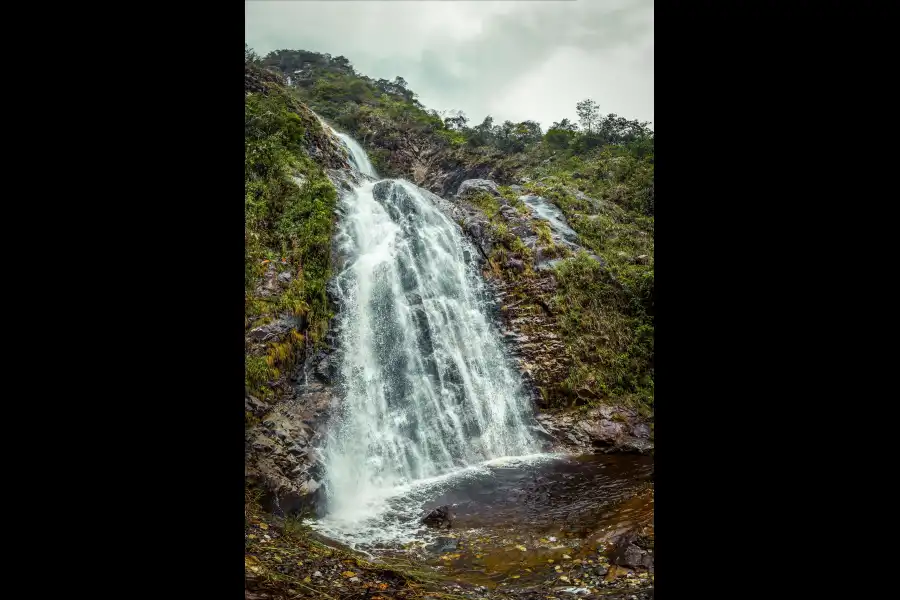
(289, 205)
(606, 314)
(609, 342)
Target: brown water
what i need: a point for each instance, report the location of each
(545, 523)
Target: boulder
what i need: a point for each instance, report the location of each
(626, 553)
(275, 330)
(439, 518)
(474, 186)
(641, 430)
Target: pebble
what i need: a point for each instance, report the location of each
(317, 574)
(354, 579)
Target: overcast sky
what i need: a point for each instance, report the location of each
(513, 60)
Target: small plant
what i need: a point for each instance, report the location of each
(543, 230)
(487, 203)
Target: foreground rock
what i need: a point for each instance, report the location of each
(439, 518)
(280, 459)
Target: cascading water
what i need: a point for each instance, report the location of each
(427, 390)
(358, 156)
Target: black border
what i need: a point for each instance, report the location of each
(161, 361)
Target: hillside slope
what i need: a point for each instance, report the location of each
(585, 326)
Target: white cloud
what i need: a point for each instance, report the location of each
(513, 60)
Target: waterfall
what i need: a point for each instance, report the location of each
(358, 156)
(425, 385)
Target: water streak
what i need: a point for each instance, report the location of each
(358, 156)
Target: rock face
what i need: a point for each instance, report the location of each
(446, 180)
(275, 330)
(280, 459)
(275, 279)
(529, 326)
(603, 428)
(531, 330)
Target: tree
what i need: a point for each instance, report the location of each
(514, 137)
(588, 113)
(400, 82)
(565, 125)
(481, 135)
(458, 122)
(343, 62)
(559, 139)
(249, 55)
(527, 132)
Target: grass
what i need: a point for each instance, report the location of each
(288, 224)
(487, 203)
(609, 343)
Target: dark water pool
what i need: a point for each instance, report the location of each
(520, 523)
(571, 494)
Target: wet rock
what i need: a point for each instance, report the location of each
(641, 430)
(509, 212)
(278, 459)
(439, 518)
(323, 366)
(626, 552)
(310, 486)
(269, 285)
(274, 330)
(254, 406)
(606, 428)
(633, 444)
(586, 394)
(606, 411)
(480, 233)
(610, 431)
(474, 186)
(515, 264)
